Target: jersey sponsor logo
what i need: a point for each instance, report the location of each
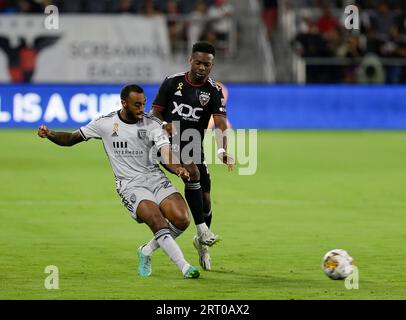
(120, 144)
(133, 198)
(186, 111)
(115, 129)
(142, 133)
(123, 150)
(178, 93)
(204, 98)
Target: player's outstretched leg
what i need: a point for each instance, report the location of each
(175, 211)
(194, 198)
(149, 248)
(150, 213)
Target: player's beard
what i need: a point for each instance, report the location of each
(132, 117)
(137, 117)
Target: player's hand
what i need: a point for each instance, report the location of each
(43, 131)
(227, 159)
(183, 173)
(170, 129)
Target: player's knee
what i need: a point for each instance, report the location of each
(156, 222)
(182, 219)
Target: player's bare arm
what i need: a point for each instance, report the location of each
(65, 139)
(173, 163)
(167, 126)
(221, 123)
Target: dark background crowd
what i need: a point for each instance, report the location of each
(147, 7)
(188, 20)
(371, 55)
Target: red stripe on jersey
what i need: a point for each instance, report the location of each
(220, 115)
(158, 107)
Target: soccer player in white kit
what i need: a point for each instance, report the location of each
(132, 139)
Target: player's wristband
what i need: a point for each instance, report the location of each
(221, 150)
(164, 123)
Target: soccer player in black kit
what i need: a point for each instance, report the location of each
(189, 99)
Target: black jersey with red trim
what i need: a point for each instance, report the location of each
(192, 105)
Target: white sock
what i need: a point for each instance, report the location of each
(201, 228)
(150, 247)
(153, 245)
(171, 248)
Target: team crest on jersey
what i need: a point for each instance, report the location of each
(142, 134)
(204, 98)
(115, 129)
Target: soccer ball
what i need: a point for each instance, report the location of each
(337, 264)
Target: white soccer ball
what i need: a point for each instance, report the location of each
(337, 264)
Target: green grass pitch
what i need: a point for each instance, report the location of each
(313, 191)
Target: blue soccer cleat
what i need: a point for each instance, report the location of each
(144, 264)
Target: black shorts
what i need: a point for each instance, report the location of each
(205, 181)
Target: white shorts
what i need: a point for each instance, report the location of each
(153, 186)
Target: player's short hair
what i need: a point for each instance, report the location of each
(204, 46)
(126, 90)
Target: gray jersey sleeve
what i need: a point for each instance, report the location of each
(158, 135)
(91, 130)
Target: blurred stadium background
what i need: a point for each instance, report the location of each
(329, 103)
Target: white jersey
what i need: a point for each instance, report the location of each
(129, 146)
